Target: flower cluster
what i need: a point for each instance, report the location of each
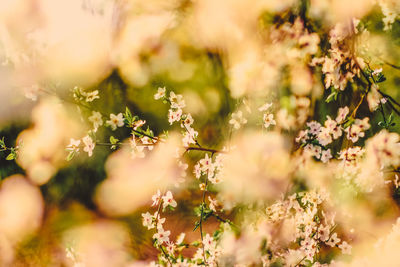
(310, 228)
(212, 170)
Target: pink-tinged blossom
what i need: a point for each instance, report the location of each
(148, 220)
(161, 236)
(314, 127)
(174, 115)
(89, 145)
(342, 114)
(326, 155)
(168, 200)
(156, 198)
(333, 127)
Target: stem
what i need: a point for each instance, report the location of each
(383, 112)
(158, 214)
(201, 219)
(204, 149)
(353, 114)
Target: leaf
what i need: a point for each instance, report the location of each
(332, 96)
(70, 155)
(381, 78)
(113, 140)
(128, 113)
(10, 156)
(2, 143)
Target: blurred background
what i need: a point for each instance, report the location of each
(222, 56)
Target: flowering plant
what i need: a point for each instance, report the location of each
(200, 133)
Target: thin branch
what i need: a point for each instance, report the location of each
(204, 149)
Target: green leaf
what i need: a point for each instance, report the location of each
(70, 155)
(113, 140)
(10, 156)
(2, 143)
(332, 96)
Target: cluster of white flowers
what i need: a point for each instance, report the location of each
(310, 227)
(155, 221)
(340, 67)
(80, 95)
(268, 118)
(316, 137)
(357, 129)
(384, 149)
(74, 145)
(211, 169)
(390, 10)
(175, 114)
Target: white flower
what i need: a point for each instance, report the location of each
(188, 121)
(92, 96)
(189, 137)
(213, 204)
(326, 155)
(160, 93)
(74, 145)
(174, 115)
(162, 236)
(156, 198)
(314, 127)
(333, 240)
(168, 200)
(324, 137)
(374, 99)
(206, 163)
(89, 145)
(345, 247)
(137, 124)
(237, 120)
(177, 101)
(116, 121)
(208, 242)
(342, 113)
(265, 107)
(197, 170)
(268, 120)
(148, 220)
(96, 119)
(333, 128)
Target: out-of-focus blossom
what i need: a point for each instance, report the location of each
(267, 167)
(237, 120)
(101, 243)
(131, 182)
(19, 199)
(96, 119)
(42, 146)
